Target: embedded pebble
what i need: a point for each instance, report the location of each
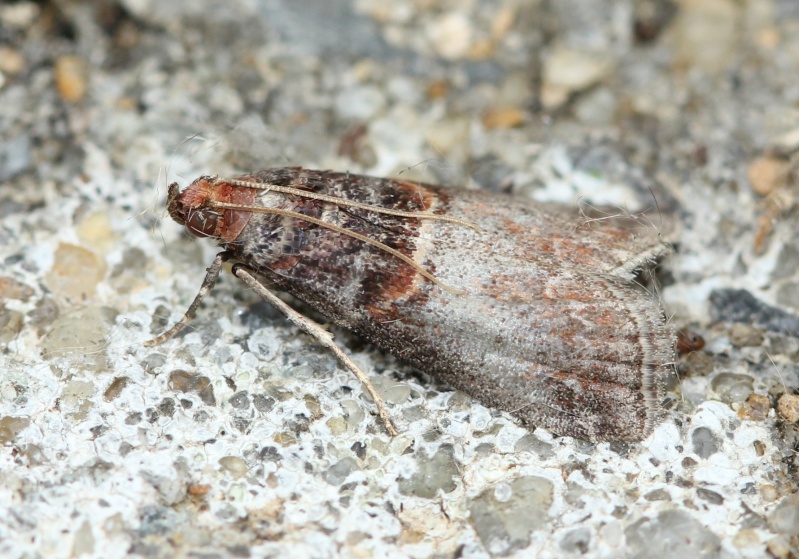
(784, 518)
(505, 525)
(337, 426)
(434, 473)
(264, 343)
(13, 289)
(506, 117)
(338, 472)
(779, 548)
(704, 442)
(240, 400)
(20, 15)
(755, 408)
(186, 382)
(11, 323)
(788, 407)
(11, 61)
(576, 541)
(731, 387)
(767, 174)
(80, 337)
(75, 273)
(787, 263)
(393, 392)
(597, 107)
(71, 78)
(705, 32)
(451, 35)
(233, 465)
(531, 443)
(745, 335)
(361, 103)
(10, 427)
(676, 533)
(313, 406)
(567, 71)
(83, 544)
(76, 397)
(115, 388)
(15, 158)
(263, 403)
(95, 230)
(788, 295)
(739, 305)
(709, 496)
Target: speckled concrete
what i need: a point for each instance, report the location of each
(243, 438)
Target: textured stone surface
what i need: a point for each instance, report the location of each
(241, 437)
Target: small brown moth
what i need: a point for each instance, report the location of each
(521, 305)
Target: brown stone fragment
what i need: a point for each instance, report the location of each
(71, 78)
(509, 117)
(788, 407)
(755, 408)
(75, 273)
(766, 174)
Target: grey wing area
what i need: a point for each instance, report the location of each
(551, 326)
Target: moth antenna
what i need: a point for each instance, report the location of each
(342, 202)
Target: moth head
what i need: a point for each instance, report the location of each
(197, 207)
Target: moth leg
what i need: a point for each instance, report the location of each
(320, 334)
(212, 274)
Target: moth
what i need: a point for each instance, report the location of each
(527, 307)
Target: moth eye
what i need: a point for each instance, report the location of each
(202, 222)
